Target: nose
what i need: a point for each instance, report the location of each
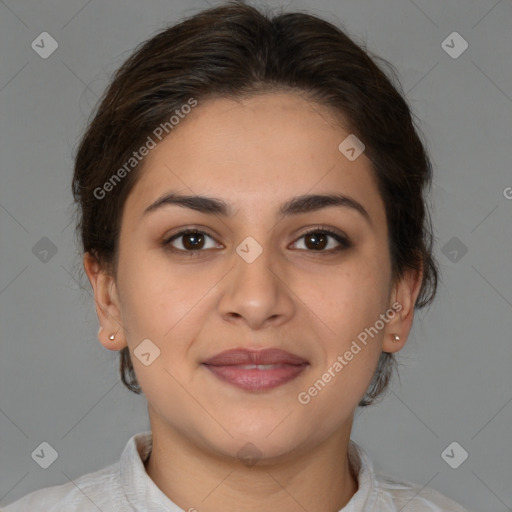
(257, 293)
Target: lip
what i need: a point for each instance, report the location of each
(243, 356)
(245, 368)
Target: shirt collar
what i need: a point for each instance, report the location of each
(144, 495)
(365, 497)
(141, 492)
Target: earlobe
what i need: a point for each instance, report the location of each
(114, 341)
(392, 343)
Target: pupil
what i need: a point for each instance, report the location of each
(195, 238)
(317, 239)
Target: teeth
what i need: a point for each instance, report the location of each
(259, 366)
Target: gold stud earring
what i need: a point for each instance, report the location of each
(396, 338)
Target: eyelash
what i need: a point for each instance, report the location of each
(342, 240)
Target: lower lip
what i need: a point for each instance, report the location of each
(257, 379)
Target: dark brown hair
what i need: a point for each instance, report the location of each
(235, 50)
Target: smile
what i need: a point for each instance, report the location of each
(257, 377)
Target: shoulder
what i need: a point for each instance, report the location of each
(380, 493)
(107, 489)
(97, 490)
(416, 497)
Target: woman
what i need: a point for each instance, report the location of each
(254, 229)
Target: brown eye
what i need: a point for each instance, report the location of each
(319, 240)
(316, 240)
(192, 240)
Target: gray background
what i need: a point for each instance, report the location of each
(58, 384)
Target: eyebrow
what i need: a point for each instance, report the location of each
(295, 206)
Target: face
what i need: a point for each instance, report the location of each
(308, 280)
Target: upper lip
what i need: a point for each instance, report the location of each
(241, 356)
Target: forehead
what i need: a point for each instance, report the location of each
(256, 153)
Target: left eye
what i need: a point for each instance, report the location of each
(318, 238)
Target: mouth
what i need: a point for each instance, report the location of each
(260, 370)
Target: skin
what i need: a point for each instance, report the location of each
(255, 154)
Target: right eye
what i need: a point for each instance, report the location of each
(193, 241)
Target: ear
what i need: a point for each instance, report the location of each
(107, 304)
(402, 300)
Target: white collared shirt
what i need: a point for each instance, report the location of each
(126, 487)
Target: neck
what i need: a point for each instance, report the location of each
(320, 480)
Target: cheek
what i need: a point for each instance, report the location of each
(163, 304)
(351, 347)
(161, 310)
(349, 301)
(144, 315)
(148, 285)
(371, 281)
(349, 295)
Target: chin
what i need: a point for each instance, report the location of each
(252, 450)
(272, 441)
